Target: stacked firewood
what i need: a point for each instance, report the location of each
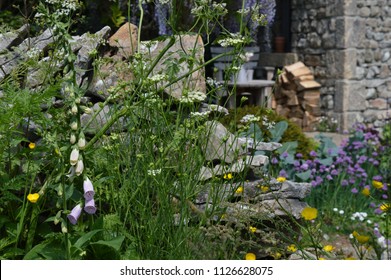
(297, 96)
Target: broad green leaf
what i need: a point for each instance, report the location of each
(289, 147)
(326, 161)
(86, 237)
(278, 131)
(49, 250)
(304, 176)
(113, 243)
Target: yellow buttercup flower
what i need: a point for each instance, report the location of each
(365, 192)
(328, 248)
(276, 255)
(250, 257)
(32, 146)
(292, 248)
(362, 239)
(377, 184)
(322, 259)
(33, 197)
(252, 229)
(281, 179)
(264, 188)
(309, 213)
(385, 207)
(228, 176)
(239, 190)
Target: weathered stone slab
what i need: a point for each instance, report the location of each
(221, 144)
(125, 39)
(10, 39)
(184, 45)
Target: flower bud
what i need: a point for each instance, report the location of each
(72, 139)
(74, 156)
(79, 167)
(82, 141)
(74, 109)
(74, 125)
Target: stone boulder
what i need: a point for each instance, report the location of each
(125, 40)
(184, 45)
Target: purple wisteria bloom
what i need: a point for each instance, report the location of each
(75, 214)
(90, 207)
(88, 189)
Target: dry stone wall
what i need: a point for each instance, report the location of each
(347, 44)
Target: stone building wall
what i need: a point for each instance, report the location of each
(347, 44)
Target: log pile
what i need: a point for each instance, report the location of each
(297, 96)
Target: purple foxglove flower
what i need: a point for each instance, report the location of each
(75, 214)
(90, 207)
(88, 189)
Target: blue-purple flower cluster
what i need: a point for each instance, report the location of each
(353, 166)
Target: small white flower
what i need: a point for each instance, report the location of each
(335, 209)
(341, 212)
(154, 172)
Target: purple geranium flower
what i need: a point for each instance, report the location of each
(75, 214)
(88, 190)
(90, 207)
